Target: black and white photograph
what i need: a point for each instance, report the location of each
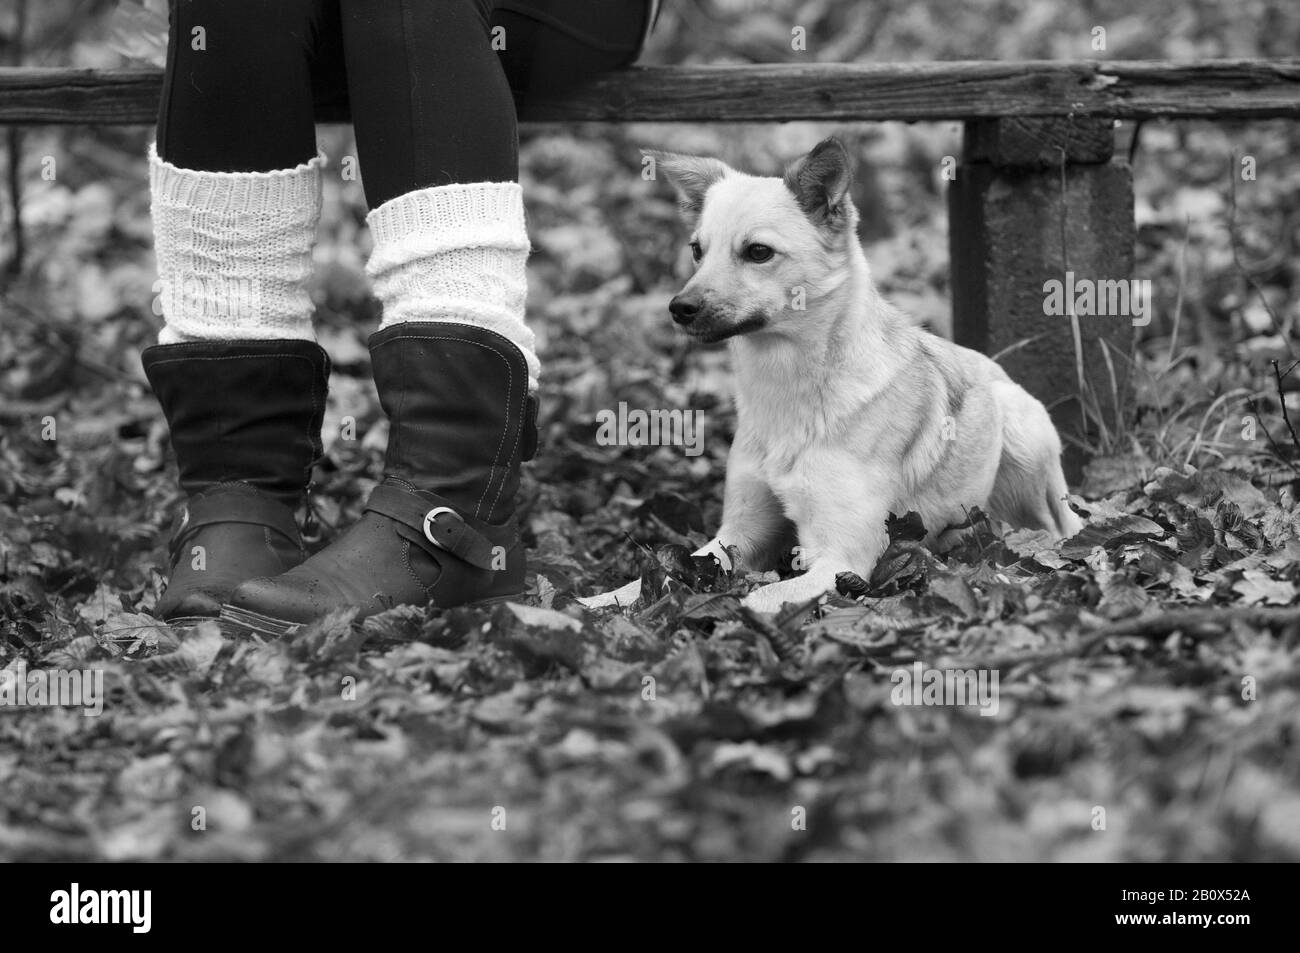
(653, 431)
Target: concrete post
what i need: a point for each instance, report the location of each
(1012, 231)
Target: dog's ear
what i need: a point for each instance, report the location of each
(820, 182)
(691, 176)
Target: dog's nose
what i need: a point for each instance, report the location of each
(685, 308)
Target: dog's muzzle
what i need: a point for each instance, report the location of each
(685, 309)
(708, 326)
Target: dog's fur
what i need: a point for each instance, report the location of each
(846, 413)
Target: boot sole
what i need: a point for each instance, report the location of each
(245, 620)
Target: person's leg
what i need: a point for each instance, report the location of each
(550, 45)
(236, 191)
(453, 358)
(436, 137)
(236, 94)
(433, 87)
(235, 175)
(430, 103)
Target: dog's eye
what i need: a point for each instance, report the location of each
(758, 253)
(696, 252)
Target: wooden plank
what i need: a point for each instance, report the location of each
(1214, 89)
(1038, 143)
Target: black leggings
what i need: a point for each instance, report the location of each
(432, 83)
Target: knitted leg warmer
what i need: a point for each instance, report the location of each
(234, 251)
(455, 253)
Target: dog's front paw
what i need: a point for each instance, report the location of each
(770, 598)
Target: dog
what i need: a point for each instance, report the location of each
(846, 413)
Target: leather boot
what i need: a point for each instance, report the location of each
(440, 528)
(245, 420)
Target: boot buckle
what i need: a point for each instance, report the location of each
(429, 519)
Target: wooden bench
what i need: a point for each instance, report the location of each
(1038, 191)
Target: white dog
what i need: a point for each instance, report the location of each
(846, 413)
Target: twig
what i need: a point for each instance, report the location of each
(14, 144)
(1133, 143)
(1281, 399)
(1182, 283)
(1075, 332)
(1236, 259)
(1198, 620)
(1277, 451)
(1201, 621)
